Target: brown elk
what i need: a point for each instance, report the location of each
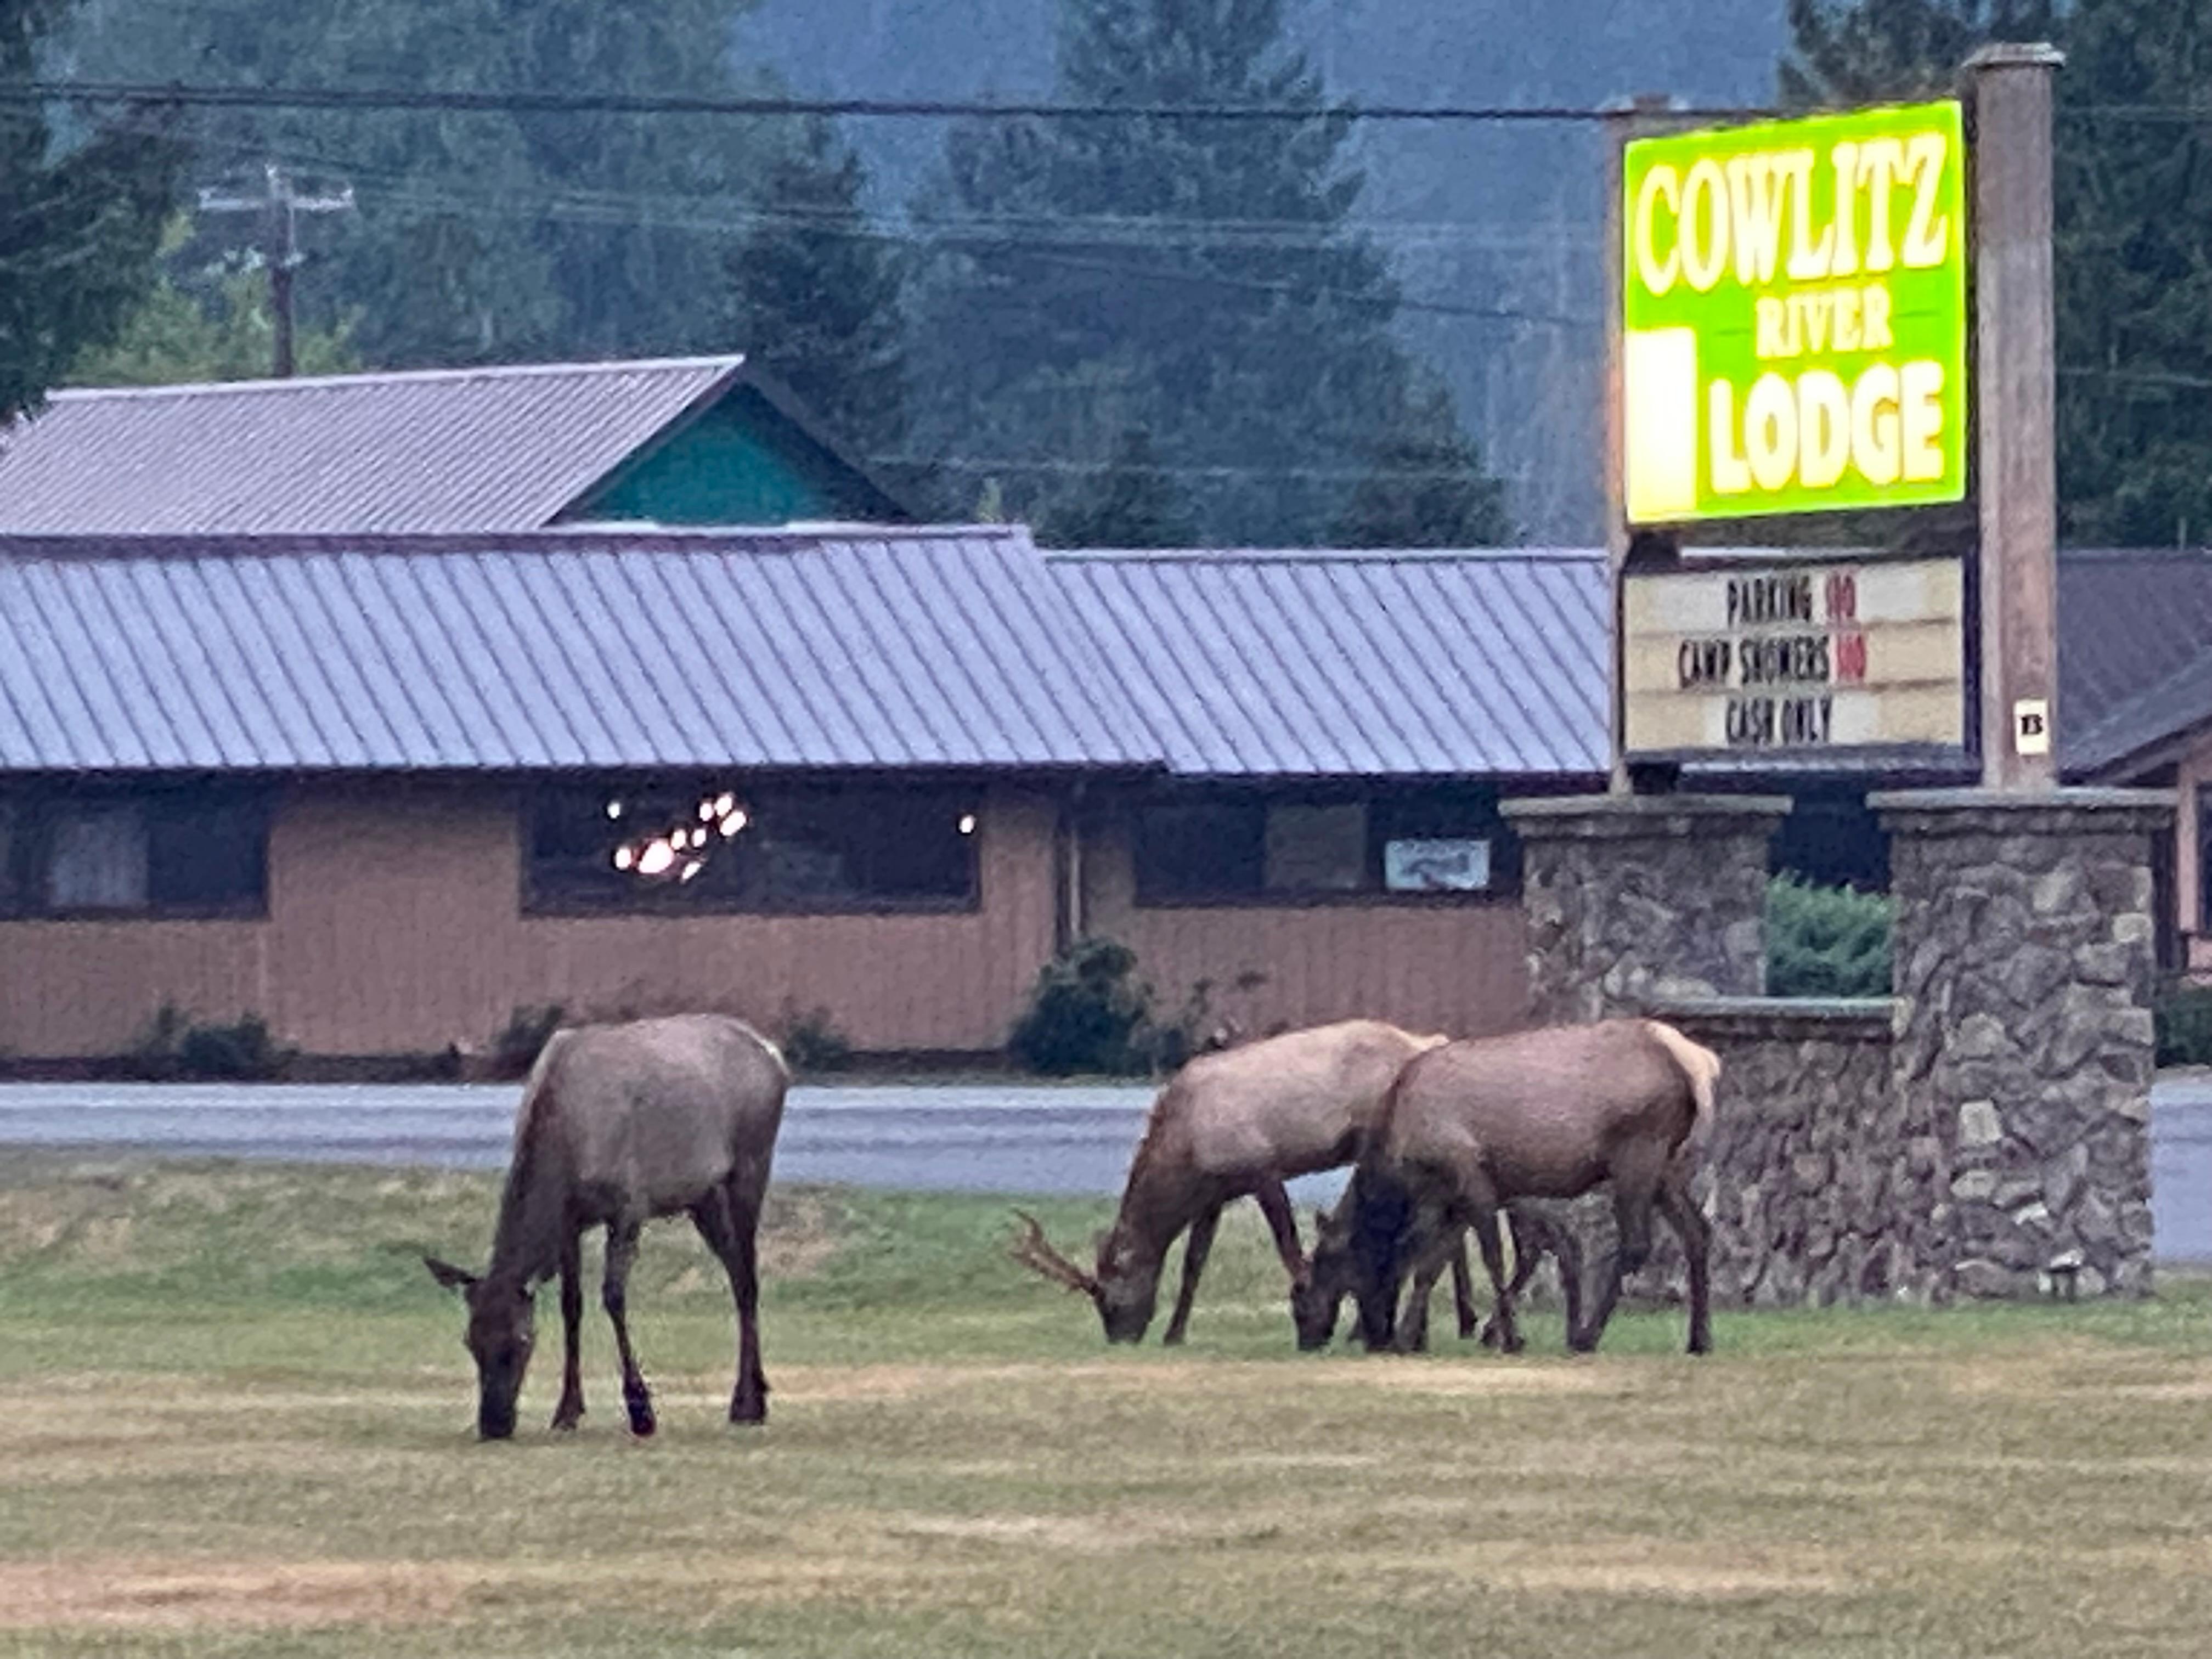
(1472, 1126)
(1240, 1121)
(1317, 1304)
(619, 1125)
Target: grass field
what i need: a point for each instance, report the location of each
(235, 1418)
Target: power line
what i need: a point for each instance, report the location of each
(565, 103)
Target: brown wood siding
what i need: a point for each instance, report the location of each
(395, 927)
(1458, 968)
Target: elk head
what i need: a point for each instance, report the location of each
(502, 1328)
(1356, 1253)
(1124, 1287)
(1332, 1274)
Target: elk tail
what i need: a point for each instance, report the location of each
(1700, 1066)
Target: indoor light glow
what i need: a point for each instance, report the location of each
(624, 858)
(968, 823)
(614, 809)
(656, 860)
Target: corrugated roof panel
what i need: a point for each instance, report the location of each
(499, 448)
(1336, 663)
(548, 649)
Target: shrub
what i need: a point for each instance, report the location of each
(812, 1041)
(518, 1045)
(2183, 1015)
(1085, 1014)
(1826, 941)
(175, 1045)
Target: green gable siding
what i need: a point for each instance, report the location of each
(741, 462)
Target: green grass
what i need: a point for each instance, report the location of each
(234, 1419)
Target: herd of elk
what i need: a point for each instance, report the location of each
(1239, 1122)
(619, 1125)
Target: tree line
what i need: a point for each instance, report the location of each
(1136, 331)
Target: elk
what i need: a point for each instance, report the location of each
(1239, 1122)
(1472, 1126)
(1315, 1304)
(619, 1125)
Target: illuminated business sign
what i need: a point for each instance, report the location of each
(1817, 656)
(1795, 316)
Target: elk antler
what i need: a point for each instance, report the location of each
(1033, 1252)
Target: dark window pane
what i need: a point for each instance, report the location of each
(96, 857)
(703, 845)
(207, 853)
(1196, 851)
(1316, 848)
(11, 851)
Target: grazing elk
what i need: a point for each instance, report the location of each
(1471, 1127)
(1315, 1304)
(1239, 1122)
(619, 1125)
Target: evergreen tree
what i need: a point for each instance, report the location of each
(1129, 502)
(478, 236)
(817, 298)
(1192, 277)
(211, 324)
(1427, 489)
(2133, 184)
(79, 221)
(1866, 51)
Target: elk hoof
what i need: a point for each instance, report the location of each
(1171, 1338)
(570, 1414)
(748, 1411)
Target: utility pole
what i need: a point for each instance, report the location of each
(280, 210)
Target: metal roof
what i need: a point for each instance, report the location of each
(547, 650)
(2135, 651)
(493, 448)
(1342, 664)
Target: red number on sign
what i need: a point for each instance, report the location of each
(1852, 659)
(1842, 597)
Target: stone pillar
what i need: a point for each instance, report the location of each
(2025, 961)
(1635, 900)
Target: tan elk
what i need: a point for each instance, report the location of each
(1241, 1121)
(619, 1125)
(1472, 1126)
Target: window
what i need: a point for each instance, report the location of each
(709, 845)
(1250, 848)
(186, 851)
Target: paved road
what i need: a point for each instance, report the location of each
(977, 1139)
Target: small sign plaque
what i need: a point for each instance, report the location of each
(1436, 867)
(2030, 726)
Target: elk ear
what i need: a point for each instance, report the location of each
(452, 1277)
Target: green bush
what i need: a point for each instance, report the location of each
(812, 1041)
(2184, 1018)
(1826, 941)
(175, 1045)
(1086, 1015)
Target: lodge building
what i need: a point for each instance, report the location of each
(386, 762)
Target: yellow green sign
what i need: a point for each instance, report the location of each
(1795, 316)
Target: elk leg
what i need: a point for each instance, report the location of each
(1196, 1247)
(1566, 1247)
(1696, 1233)
(1463, 1287)
(1485, 1221)
(1630, 1211)
(1274, 1202)
(1527, 1249)
(621, 1251)
(730, 1222)
(1437, 1242)
(570, 1411)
